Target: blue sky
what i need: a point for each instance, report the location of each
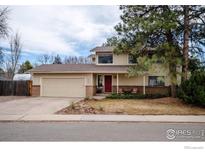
(64, 30)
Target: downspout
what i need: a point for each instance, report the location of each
(144, 91)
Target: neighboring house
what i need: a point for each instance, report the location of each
(2, 74)
(107, 74)
(2, 78)
(24, 76)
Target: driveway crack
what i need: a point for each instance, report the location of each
(20, 118)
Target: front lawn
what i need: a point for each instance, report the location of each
(161, 106)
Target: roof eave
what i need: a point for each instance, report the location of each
(52, 72)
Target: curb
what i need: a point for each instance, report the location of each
(102, 118)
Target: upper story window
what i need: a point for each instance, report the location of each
(156, 80)
(105, 59)
(132, 59)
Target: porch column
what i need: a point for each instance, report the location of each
(117, 83)
(144, 84)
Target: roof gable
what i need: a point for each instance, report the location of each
(103, 49)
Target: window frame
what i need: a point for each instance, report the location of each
(107, 54)
(129, 60)
(159, 83)
(98, 79)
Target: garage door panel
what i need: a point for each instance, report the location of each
(63, 87)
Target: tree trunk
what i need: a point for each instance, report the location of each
(173, 90)
(173, 78)
(185, 43)
(172, 64)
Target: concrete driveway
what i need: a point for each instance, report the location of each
(34, 105)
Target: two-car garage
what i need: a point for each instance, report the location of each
(63, 87)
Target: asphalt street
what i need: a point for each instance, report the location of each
(101, 131)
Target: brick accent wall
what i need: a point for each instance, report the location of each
(148, 89)
(90, 91)
(158, 90)
(36, 90)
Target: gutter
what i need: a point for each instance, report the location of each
(80, 72)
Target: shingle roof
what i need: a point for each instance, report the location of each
(102, 48)
(79, 68)
(111, 48)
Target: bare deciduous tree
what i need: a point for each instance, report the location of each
(45, 59)
(4, 28)
(50, 59)
(14, 55)
(76, 60)
(1, 57)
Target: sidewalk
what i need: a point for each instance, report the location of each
(104, 118)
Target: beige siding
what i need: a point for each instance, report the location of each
(129, 81)
(36, 77)
(121, 59)
(124, 80)
(158, 70)
(114, 79)
(63, 87)
(94, 79)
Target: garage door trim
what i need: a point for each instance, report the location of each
(42, 78)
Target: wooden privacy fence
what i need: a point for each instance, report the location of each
(15, 88)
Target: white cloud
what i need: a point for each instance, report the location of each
(62, 29)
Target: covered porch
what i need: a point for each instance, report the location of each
(122, 83)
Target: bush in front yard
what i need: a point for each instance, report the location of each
(135, 96)
(193, 90)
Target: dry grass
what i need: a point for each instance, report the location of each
(162, 106)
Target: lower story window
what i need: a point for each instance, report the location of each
(99, 84)
(156, 81)
(100, 81)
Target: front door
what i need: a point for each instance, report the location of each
(108, 83)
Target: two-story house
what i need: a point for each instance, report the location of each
(107, 74)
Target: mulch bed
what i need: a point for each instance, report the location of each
(81, 107)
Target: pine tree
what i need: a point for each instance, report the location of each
(25, 67)
(149, 30)
(57, 60)
(192, 25)
(174, 32)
